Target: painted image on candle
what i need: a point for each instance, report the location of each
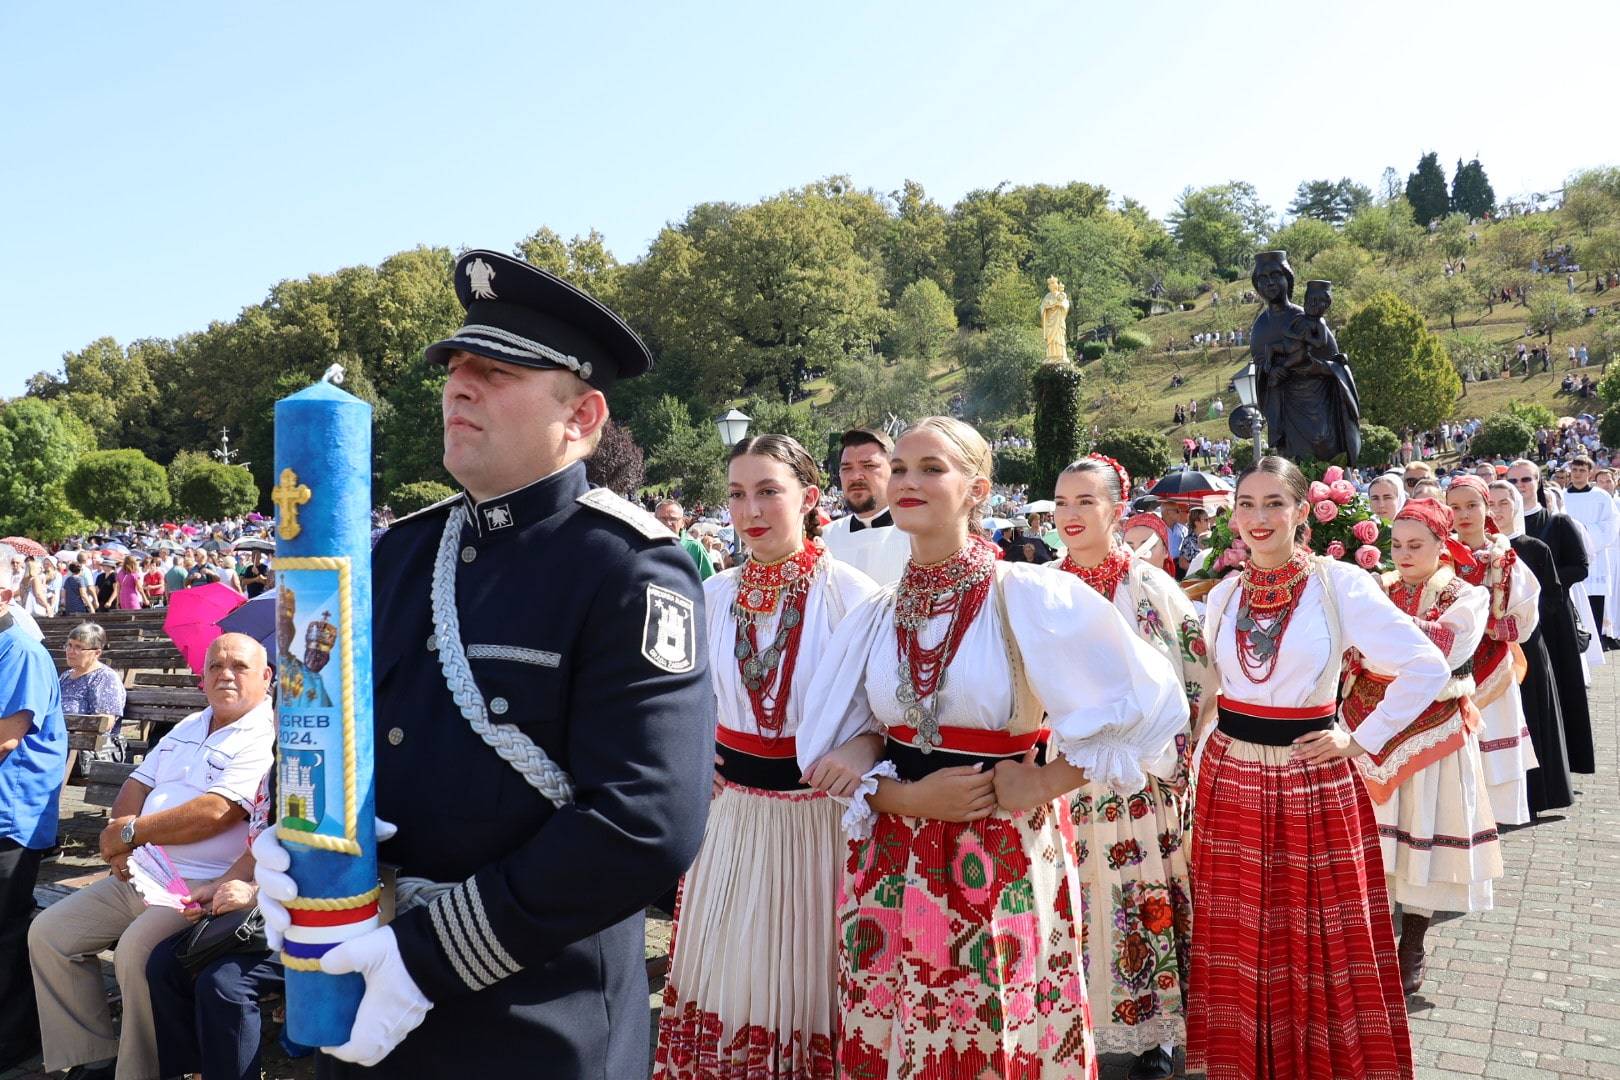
(310, 638)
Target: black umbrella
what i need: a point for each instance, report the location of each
(1190, 484)
(256, 544)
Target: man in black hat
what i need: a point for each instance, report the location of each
(544, 738)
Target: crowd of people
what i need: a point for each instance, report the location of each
(946, 794)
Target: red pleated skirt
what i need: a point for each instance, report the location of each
(1294, 973)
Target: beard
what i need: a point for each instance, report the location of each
(861, 502)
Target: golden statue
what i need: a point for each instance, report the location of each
(1054, 321)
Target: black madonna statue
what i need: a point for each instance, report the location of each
(1307, 393)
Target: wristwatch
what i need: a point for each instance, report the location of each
(127, 833)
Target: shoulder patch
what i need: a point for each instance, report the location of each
(669, 630)
(604, 501)
(442, 504)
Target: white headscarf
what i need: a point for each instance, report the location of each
(1400, 489)
(1516, 527)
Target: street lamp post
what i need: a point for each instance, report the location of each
(733, 427)
(1247, 421)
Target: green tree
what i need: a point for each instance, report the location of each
(1447, 297)
(1305, 238)
(1471, 193)
(39, 445)
(1609, 427)
(411, 497)
(213, 491)
(915, 246)
(1475, 353)
(1000, 364)
(1379, 445)
(924, 321)
(982, 239)
(1145, 454)
(1093, 257)
(682, 454)
(117, 485)
(1221, 225)
(1452, 235)
(1010, 299)
(617, 463)
(1553, 309)
(1403, 374)
(1533, 413)
(1333, 202)
(1426, 190)
(1387, 229)
(867, 392)
(1503, 435)
(411, 429)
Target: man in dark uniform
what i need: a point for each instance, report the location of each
(565, 784)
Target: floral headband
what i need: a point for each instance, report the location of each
(1119, 471)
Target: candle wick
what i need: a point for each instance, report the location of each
(334, 374)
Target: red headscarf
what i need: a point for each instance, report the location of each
(1437, 518)
(1160, 529)
(1477, 484)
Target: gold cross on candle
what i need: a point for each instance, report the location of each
(288, 496)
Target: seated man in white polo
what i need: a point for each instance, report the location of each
(191, 795)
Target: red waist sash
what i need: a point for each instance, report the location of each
(974, 740)
(757, 745)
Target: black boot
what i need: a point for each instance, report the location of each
(1153, 1064)
(1410, 953)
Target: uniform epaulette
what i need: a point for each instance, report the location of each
(442, 504)
(605, 502)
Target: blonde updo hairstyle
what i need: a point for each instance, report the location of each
(967, 450)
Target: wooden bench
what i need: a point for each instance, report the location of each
(104, 779)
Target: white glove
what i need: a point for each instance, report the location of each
(392, 1005)
(276, 886)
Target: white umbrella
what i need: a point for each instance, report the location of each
(1040, 506)
(995, 524)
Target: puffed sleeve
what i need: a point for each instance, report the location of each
(1390, 641)
(836, 709)
(1459, 629)
(1523, 613)
(1114, 703)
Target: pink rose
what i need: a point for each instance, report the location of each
(1319, 491)
(1365, 531)
(1336, 550)
(1241, 548)
(1343, 491)
(1325, 511)
(1367, 556)
(1332, 475)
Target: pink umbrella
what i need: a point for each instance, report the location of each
(24, 546)
(192, 622)
(189, 530)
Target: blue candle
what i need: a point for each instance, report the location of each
(324, 809)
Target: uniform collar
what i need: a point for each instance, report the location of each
(527, 505)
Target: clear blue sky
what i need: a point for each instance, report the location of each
(163, 165)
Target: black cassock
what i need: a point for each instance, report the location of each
(582, 622)
(1549, 784)
(1564, 538)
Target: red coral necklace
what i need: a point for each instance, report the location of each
(1106, 575)
(768, 674)
(1266, 604)
(956, 587)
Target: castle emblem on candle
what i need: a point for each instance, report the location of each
(498, 517)
(480, 274)
(302, 786)
(289, 495)
(669, 634)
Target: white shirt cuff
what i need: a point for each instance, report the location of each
(858, 816)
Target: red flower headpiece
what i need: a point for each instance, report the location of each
(1438, 519)
(1119, 471)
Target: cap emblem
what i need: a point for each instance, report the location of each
(481, 274)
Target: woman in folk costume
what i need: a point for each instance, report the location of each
(753, 981)
(1427, 785)
(1549, 786)
(960, 951)
(1294, 973)
(1147, 537)
(1130, 849)
(1505, 751)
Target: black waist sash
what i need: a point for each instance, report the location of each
(912, 764)
(1266, 730)
(750, 770)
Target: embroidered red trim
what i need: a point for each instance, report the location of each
(1106, 575)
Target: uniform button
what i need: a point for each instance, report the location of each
(395, 736)
(433, 643)
(469, 553)
(498, 706)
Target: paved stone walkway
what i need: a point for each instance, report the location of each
(1529, 991)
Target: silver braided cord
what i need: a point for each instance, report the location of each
(516, 748)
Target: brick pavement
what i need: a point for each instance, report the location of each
(1529, 991)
